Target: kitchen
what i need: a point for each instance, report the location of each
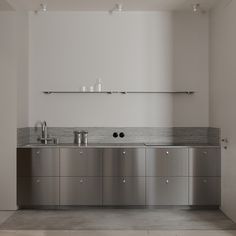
(117, 109)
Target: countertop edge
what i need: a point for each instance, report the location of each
(121, 146)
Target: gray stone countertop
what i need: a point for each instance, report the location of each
(116, 145)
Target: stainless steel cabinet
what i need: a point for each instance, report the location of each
(80, 191)
(80, 161)
(118, 176)
(167, 162)
(167, 190)
(204, 191)
(37, 162)
(124, 191)
(38, 191)
(204, 162)
(124, 162)
(204, 169)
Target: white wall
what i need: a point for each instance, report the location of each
(129, 51)
(223, 95)
(13, 98)
(22, 32)
(8, 93)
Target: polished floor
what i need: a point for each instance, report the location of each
(118, 219)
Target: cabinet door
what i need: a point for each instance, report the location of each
(80, 161)
(80, 191)
(167, 162)
(167, 190)
(204, 191)
(37, 162)
(124, 162)
(124, 191)
(204, 162)
(38, 191)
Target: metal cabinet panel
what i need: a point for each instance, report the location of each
(124, 162)
(37, 162)
(204, 191)
(38, 191)
(124, 191)
(80, 191)
(80, 161)
(167, 190)
(204, 162)
(167, 162)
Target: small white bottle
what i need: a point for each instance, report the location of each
(83, 88)
(98, 85)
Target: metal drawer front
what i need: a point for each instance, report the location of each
(167, 190)
(204, 191)
(37, 162)
(124, 162)
(38, 191)
(80, 162)
(124, 191)
(204, 162)
(167, 162)
(80, 191)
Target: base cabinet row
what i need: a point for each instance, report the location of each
(118, 176)
(72, 191)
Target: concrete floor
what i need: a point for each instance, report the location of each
(4, 215)
(120, 233)
(143, 220)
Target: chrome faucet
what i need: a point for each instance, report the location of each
(44, 130)
(44, 139)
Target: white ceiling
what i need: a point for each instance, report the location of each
(105, 5)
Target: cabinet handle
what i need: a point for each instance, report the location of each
(124, 181)
(37, 181)
(167, 153)
(124, 152)
(205, 152)
(81, 152)
(81, 181)
(204, 181)
(167, 181)
(38, 152)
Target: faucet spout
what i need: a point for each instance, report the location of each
(44, 129)
(44, 139)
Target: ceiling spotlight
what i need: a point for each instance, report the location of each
(196, 7)
(42, 8)
(118, 8)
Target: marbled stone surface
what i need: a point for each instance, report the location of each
(135, 135)
(23, 136)
(172, 135)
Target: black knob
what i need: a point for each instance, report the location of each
(115, 134)
(122, 135)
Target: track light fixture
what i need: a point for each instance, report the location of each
(117, 8)
(197, 9)
(42, 8)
